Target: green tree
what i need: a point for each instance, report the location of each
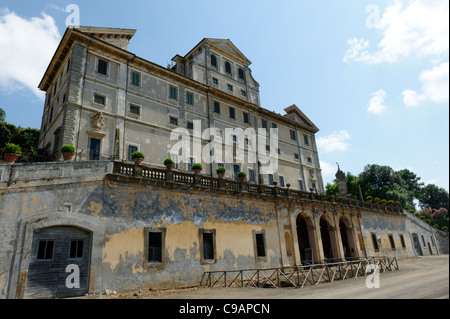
(432, 196)
(332, 189)
(9, 133)
(2, 114)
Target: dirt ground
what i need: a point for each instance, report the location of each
(417, 278)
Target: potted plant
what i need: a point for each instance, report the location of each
(169, 163)
(12, 152)
(383, 202)
(137, 157)
(376, 200)
(390, 202)
(27, 147)
(221, 171)
(197, 167)
(68, 151)
(369, 199)
(242, 176)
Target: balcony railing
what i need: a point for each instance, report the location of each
(184, 178)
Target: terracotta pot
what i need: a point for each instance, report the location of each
(25, 149)
(138, 160)
(197, 171)
(67, 156)
(169, 167)
(242, 179)
(11, 157)
(221, 175)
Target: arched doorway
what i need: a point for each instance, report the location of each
(53, 249)
(304, 243)
(344, 237)
(326, 240)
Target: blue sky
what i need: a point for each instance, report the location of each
(372, 75)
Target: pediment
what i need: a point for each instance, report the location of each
(295, 114)
(225, 45)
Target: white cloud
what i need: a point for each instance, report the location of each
(421, 28)
(26, 48)
(334, 142)
(376, 105)
(327, 169)
(435, 87)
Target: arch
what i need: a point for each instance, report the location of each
(326, 239)
(305, 238)
(347, 238)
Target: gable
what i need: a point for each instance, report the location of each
(295, 114)
(227, 47)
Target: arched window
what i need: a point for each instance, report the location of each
(227, 67)
(213, 60)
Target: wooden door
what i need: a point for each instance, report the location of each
(53, 250)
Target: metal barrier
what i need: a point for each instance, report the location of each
(298, 276)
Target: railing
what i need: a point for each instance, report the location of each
(178, 177)
(298, 276)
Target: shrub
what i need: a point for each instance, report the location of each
(428, 221)
(390, 202)
(137, 155)
(417, 214)
(445, 228)
(12, 148)
(397, 203)
(220, 170)
(376, 199)
(436, 226)
(168, 161)
(197, 166)
(412, 211)
(369, 198)
(242, 174)
(383, 201)
(422, 217)
(68, 148)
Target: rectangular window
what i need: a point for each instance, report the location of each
(68, 66)
(281, 181)
(173, 92)
(154, 253)
(229, 87)
(260, 244)
(313, 185)
(45, 249)
(99, 99)
(309, 160)
(191, 163)
(402, 240)
(305, 137)
(173, 121)
(391, 240)
(300, 185)
(135, 109)
(135, 78)
(76, 249)
(190, 125)
(208, 249)
(243, 93)
(232, 113)
(94, 149)
(246, 119)
(296, 156)
(270, 179)
(102, 67)
(189, 98)
(264, 123)
(215, 81)
(217, 107)
(175, 159)
(251, 174)
(375, 242)
(293, 135)
(131, 150)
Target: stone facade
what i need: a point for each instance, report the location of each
(140, 103)
(121, 206)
